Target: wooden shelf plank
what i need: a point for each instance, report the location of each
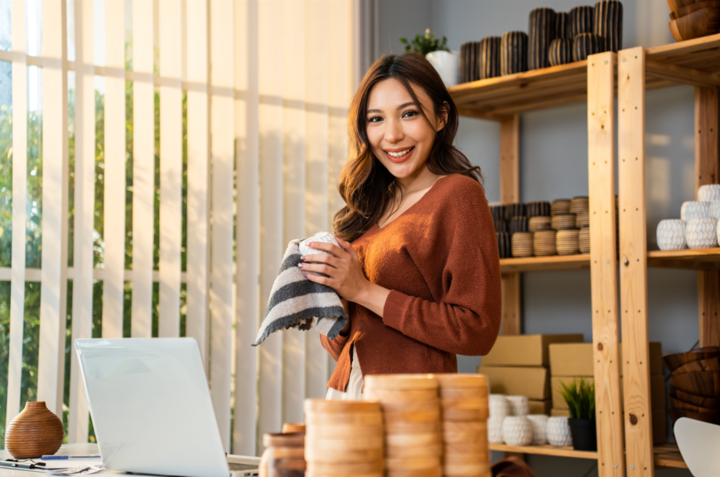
(545, 450)
(668, 456)
(543, 264)
(702, 259)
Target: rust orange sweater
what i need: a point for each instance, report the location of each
(440, 261)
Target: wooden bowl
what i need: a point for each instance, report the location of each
(693, 7)
(678, 404)
(706, 384)
(710, 364)
(703, 22)
(699, 401)
(713, 418)
(674, 361)
(678, 4)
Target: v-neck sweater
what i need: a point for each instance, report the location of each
(440, 260)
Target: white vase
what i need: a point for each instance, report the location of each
(709, 193)
(495, 426)
(499, 406)
(701, 233)
(671, 234)
(517, 431)
(447, 65)
(715, 209)
(519, 405)
(558, 432)
(539, 426)
(694, 209)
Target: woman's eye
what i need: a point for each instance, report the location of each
(410, 114)
(374, 119)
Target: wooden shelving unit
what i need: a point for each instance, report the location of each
(624, 443)
(545, 450)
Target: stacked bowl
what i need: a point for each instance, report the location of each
(695, 384)
(693, 19)
(411, 411)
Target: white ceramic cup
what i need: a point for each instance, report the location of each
(558, 432)
(495, 426)
(694, 209)
(499, 406)
(671, 234)
(701, 233)
(539, 426)
(709, 193)
(517, 431)
(715, 209)
(519, 405)
(447, 65)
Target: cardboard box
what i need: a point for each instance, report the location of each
(576, 359)
(659, 423)
(657, 390)
(559, 413)
(525, 350)
(532, 382)
(540, 407)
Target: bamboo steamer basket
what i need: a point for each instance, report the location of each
(284, 454)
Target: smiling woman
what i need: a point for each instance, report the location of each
(417, 260)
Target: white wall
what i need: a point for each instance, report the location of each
(554, 165)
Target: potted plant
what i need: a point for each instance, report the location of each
(580, 399)
(446, 62)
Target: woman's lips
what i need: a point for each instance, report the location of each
(398, 160)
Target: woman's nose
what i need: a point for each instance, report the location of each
(393, 132)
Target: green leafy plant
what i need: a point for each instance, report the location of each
(580, 399)
(425, 44)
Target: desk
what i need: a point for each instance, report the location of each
(67, 449)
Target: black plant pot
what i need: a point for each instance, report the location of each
(584, 434)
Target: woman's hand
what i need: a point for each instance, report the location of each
(342, 267)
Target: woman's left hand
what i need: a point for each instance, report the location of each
(342, 267)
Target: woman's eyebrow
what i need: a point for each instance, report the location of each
(405, 105)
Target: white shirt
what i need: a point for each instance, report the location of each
(353, 391)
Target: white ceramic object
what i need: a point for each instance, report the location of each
(558, 432)
(447, 65)
(519, 405)
(495, 427)
(539, 426)
(701, 233)
(715, 209)
(694, 210)
(671, 234)
(499, 407)
(517, 431)
(709, 193)
(318, 237)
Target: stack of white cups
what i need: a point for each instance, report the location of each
(698, 224)
(517, 429)
(499, 410)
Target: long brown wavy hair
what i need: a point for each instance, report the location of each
(365, 184)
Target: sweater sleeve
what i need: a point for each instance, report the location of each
(334, 347)
(464, 318)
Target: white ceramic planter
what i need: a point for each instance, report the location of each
(709, 193)
(539, 426)
(499, 407)
(702, 233)
(447, 65)
(558, 432)
(715, 209)
(671, 234)
(495, 427)
(517, 431)
(694, 210)
(519, 405)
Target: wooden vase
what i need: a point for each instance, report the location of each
(581, 20)
(513, 52)
(586, 44)
(35, 432)
(608, 24)
(561, 51)
(562, 25)
(541, 32)
(489, 64)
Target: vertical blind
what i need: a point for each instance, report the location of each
(182, 145)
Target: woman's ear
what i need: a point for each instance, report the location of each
(443, 118)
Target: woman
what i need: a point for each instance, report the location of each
(418, 263)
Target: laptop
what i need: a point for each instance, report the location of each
(151, 408)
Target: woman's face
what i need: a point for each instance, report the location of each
(399, 135)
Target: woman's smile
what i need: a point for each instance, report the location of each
(399, 155)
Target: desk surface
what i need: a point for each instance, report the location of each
(67, 449)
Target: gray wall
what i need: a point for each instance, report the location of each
(554, 165)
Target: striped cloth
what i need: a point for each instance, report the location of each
(298, 303)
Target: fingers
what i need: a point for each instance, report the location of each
(318, 268)
(321, 258)
(327, 247)
(346, 246)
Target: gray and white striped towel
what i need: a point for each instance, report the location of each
(296, 302)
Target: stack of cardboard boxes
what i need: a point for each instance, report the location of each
(519, 366)
(574, 360)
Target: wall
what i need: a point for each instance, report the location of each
(554, 164)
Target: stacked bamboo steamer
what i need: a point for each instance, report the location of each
(343, 438)
(522, 244)
(464, 401)
(544, 243)
(567, 242)
(584, 240)
(411, 411)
